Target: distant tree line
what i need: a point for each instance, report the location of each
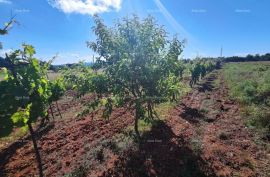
(56, 68)
(257, 57)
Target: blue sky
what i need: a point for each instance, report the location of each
(63, 26)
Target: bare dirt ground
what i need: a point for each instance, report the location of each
(204, 135)
(63, 147)
(69, 107)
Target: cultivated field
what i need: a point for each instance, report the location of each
(220, 127)
(139, 109)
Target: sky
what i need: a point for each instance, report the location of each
(62, 27)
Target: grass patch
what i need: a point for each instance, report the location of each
(216, 82)
(15, 135)
(163, 109)
(249, 84)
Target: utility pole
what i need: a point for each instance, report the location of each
(221, 51)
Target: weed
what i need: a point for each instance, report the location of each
(248, 161)
(112, 145)
(204, 110)
(78, 172)
(196, 146)
(224, 136)
(98, 154)
(87, 148)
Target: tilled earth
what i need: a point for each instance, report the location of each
(64, 145)
(204, 135)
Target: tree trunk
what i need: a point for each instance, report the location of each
(36, 149)
(190, 83)
(174, 97)
(137, 117)
(150, 110)
(58, 109)
(51, 111)
(136, 127)
(46, 118)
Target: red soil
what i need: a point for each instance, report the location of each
(204, 135)
(63, 147)
(213, 142)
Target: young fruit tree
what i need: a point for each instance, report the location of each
(57, 89)
(139, 62)
(24, 93)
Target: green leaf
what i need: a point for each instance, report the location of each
(5, 73)
(33, 85)
(29, 50)
(40, 90)
(21, 117)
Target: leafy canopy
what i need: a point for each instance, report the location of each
(24, 91)
(137, 59)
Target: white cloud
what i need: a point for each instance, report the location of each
(88, 7)
(4, 51)
(5, 1)
(242, 10)
(22, 10)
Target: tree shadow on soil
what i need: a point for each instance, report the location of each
(161, 153)
(192, 115)
(7, 153)
(207, 86)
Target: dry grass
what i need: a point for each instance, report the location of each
(53, 75)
